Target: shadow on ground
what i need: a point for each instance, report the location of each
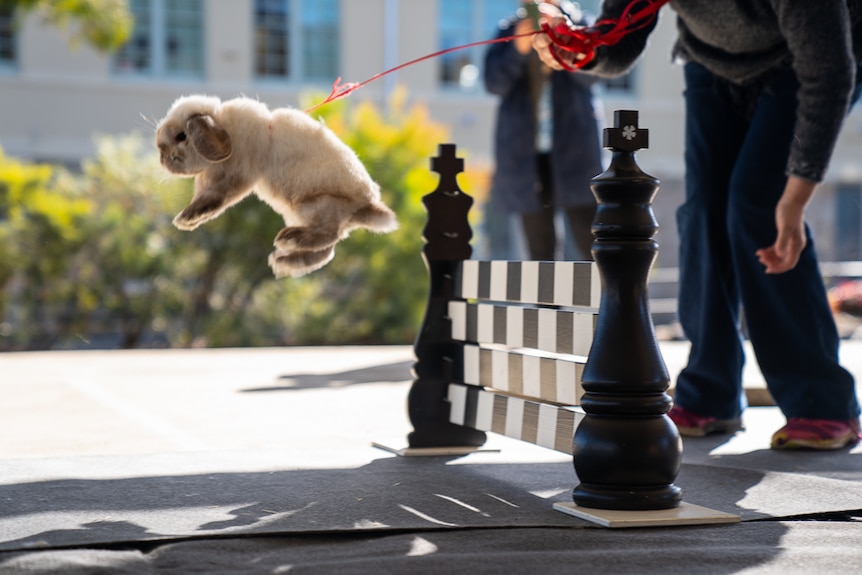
(387, 373)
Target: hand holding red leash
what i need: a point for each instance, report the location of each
(564, 47)
(559, 48)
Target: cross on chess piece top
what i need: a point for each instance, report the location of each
(625, 136)
(448, 165)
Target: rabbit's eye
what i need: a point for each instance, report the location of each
(181, 137)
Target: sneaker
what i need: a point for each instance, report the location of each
(802, 433)
(693, 425)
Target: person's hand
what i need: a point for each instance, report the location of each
(783, 255)
(523, 44)
(545, 47)
(527, 25)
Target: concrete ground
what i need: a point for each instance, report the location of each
(155, 459)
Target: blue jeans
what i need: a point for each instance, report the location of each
(736, 150)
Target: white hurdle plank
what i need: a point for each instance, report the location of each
(546, 425)
(566, 283)
(552, 379)
(545, 329)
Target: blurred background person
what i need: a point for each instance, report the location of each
(546, 143)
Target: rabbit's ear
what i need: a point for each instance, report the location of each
(211, 141)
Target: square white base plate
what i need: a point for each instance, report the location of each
(684, 514)
(433, 451)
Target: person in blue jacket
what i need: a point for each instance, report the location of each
(546, 141)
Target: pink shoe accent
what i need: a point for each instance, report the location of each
(693, 425)
(822, 434)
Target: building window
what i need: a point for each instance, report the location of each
(591, 8)
(271, 20)
(462, 22)
(167, 40)
(297, 39)
(8, 44)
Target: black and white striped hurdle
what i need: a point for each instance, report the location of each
(559, 354)
(526, 330)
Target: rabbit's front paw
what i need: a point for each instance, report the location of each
(298, 264)
(185, 223)
(288, 239)
(193, 216)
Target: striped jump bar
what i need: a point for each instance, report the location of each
(553, 330)
(546, 425)
(557, 380)
(552, 283)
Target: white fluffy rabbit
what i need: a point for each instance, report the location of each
(292, 162)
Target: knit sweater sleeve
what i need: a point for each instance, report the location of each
(820, 42)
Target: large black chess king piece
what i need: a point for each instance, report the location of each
(447, 238)
(627, 452)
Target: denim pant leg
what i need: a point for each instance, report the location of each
(711, 383)
(789, 322)
(787, 315)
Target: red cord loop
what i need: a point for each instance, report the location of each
(579, 41)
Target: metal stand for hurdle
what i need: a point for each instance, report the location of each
(627, 452)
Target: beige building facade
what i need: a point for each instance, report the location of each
(56, 97)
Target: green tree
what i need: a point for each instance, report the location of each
(103, 24)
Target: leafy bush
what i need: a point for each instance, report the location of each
(103, 24)
(40, 231)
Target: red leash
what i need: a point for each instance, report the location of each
(638, 13)
(340, 90)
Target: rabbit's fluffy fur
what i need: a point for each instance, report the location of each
(292, 162)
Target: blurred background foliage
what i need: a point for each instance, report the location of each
(89, 258)
(102, 24)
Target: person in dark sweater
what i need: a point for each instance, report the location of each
(546, 141)
(768, 86)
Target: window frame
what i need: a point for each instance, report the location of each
(157, 50)
(296, 53)
(482, 12)
(10, 64)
